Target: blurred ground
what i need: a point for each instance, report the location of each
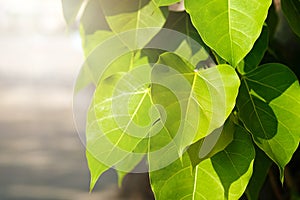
(41, 156)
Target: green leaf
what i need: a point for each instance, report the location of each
(254, 57)
(268, 105)
(260, 171)
(291, 10)
(272, 21)
(92, 11)
(192, 48)
(229, 27)
(109, 126)
(71, 9)
(215, 142)
(207, 102)
(223, 176)
(165, 2)
(255, 112)
(90, 42)
(133, 14)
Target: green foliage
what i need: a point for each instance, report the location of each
(291, 10)
(205, 131)
(235, 25)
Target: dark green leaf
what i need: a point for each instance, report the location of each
(260, 171)
(253, 58)
(272, 94)
(291, 10)
(215, 142)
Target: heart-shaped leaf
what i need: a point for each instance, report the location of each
(223, 176)
(212, 91)
(230, 27)
(268, 103)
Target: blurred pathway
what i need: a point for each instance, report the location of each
(41, 156)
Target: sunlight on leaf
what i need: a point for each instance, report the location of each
(229, 27)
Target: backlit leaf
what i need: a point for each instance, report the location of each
(229, 27)
(223, 176)
(165, 2)
(268, 103)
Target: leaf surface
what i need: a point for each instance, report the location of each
(291, 10)
(268, 105)
(229, 27)
(261, 167)
(223, 176)
(165, 2)
(209, 99)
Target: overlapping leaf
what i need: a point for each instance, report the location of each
(254, 57)
(223, 176)
(165, 2)
(134, 15)
(268, 103)
(230, 27)
(109, 126)
(261, 167)
(212, 92)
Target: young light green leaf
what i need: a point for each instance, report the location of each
(212, 91)
(165, 2)
(291, 10)
(223, 176)
(134, 15)
(115, 132)
(268, 103)
(229, 27)
(90, 42)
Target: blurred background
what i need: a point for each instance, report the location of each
(41, 155)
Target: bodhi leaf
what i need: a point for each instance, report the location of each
(254, 57)
(109, 126)
(223, 176)
(291, 10)
(268, 103)
(134, 15)
(212, 91)
(260, 171)
(192, 47)
(165, 2)
(229, 27)
(215, 142)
